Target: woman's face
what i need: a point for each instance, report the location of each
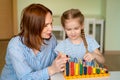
(73, 29)
(46, 33)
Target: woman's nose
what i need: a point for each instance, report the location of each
(50, 27)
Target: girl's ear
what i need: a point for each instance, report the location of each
(82, 26)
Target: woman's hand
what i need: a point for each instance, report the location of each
(58, 64)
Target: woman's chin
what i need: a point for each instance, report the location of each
(47, 37)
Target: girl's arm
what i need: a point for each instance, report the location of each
(96, 55)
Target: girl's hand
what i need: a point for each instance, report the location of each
(58, 64)
(89, 57)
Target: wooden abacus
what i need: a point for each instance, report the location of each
(76, 69)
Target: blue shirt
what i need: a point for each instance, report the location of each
(23, 64)
(76, 50)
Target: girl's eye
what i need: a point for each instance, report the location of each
(68, 29)
(77, 28)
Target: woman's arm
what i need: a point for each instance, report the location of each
(23, 69)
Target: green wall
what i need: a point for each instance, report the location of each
(88, 7)
(112, 39)
(106, 9)
(94, 8)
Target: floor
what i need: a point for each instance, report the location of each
(112, 59)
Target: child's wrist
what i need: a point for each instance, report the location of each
(94, 56)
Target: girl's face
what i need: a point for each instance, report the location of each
(46, 33)
(73, 29)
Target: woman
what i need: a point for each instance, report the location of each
(30, 55)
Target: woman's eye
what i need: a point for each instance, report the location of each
(46, 25)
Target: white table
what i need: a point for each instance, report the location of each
(114, 75)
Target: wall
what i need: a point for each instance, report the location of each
(112, 39)
(106, 9)
(59, 6)
(6, 26)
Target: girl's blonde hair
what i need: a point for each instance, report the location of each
(73, 14)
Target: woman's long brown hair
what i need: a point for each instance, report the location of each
(32, 24)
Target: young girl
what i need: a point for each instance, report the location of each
(77, 45)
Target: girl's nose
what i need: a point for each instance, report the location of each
(72, 31)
